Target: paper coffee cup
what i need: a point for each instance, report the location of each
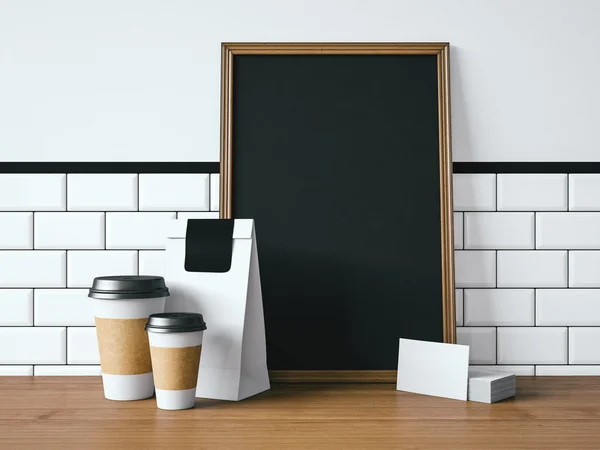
(122, 305)
(175, 348)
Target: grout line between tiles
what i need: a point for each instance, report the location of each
(496, 193)
(535, 230)
(568, 182)
(568, 336)
(535, 307)
(66, 191)
(568, 271)
(496, 345)
(496, 269)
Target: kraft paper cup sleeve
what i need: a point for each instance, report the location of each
(176, 368)
(123, 346)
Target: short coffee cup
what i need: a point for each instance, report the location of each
(175, 348)
(122, 305)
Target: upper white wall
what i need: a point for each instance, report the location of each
(138, 80)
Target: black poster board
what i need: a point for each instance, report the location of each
(341, 154)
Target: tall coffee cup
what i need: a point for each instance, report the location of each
(122, 305)
(175, 347)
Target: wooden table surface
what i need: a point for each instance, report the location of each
(71, 413)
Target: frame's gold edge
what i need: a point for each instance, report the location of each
(445, 158)
(446, 206)
(335, 48)
(333, 376)
(225, 185)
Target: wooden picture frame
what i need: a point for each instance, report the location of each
(441, 52)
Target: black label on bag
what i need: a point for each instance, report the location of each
(208, 245)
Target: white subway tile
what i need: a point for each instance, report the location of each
(568, 307)
(495, 230)
(567, 371)
(16, 306)
(572, 230)
(458, 297)
(67, 371)
(458, 231)
(32, 345)
(169, 192)
(583, 345)
(475, 268)
(532, 269)
(16, 371)
(82, 346)
(69, 230)
(63, 307)
(532, 192)
(16, 230)
(198, 215)
(584, 192)
(32, 192)
(474, 192)
(499, 307)
(532, 345)
(102, 192)
(214, 191)
(30, 268)
(584, 269)
(520, 371)
(152, 262)
(143, 230)
(84, 266)
(481, 342)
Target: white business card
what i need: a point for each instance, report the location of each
(432, 368)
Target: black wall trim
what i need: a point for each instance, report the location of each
(526, 167)
(109, 167)
(213, 167)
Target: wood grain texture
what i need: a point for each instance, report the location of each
(71, 413)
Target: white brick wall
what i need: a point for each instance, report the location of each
(82, 346)
(84, 266)
(16, 230)
(138, 230)
(30, 268)
(584, 192)
(482, 343)
(33, 345)
(535, 192)
(162, 192)
(102, 192)
(527, 263)
(214, 191)
(511, 230)
(70, 307)
(530, 269)
(475, 269)
(16, 306)
(69, 230)
(33, 192)
(58, 232)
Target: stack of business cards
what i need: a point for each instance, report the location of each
(490, 387)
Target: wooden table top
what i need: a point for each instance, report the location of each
(71, 413)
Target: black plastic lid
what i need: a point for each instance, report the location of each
(175, 322)
(128, 287)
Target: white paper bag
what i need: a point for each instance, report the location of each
(233, 363)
